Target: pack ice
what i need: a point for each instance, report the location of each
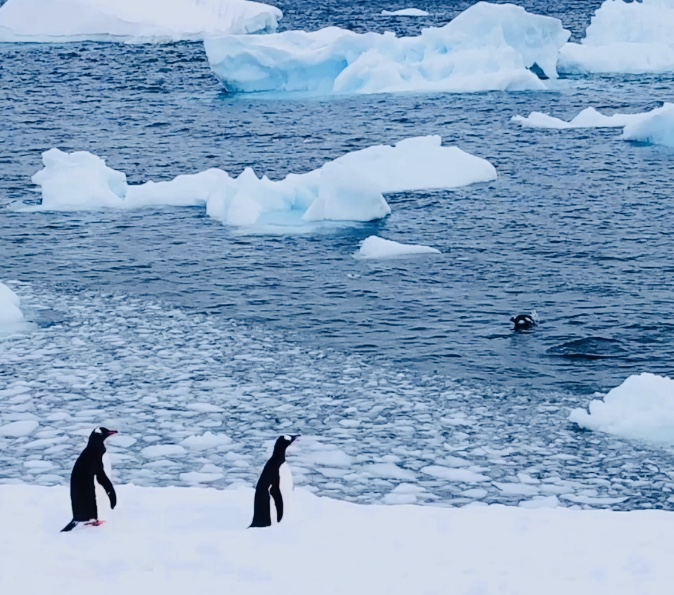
(624, 37)
(486, 47)
(132, 20)
(349, 188)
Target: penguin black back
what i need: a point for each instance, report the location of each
(269, 485)
(523, 322)
(89, 466)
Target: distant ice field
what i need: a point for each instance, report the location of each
(211, 340)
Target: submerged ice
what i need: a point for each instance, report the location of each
(132, 20)
(624, 37)
(486, 47)
(349, 188)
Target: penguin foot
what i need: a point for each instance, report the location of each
(95, 523)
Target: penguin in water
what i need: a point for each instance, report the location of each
(90, 466)
(524, 322)
(276, 481)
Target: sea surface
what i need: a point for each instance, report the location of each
(167, 324)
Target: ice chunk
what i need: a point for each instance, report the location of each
(486, 47)
(163, 450)
(376, 247)
(348, 188)
(462, 475)
(642, 407)
(10, 309)
(655, 127)
(624, 37)
(17, 429)
(588, 118)
(405, 12)
(206, 441)
(132, 20)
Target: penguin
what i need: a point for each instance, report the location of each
(89, 466)
(275, 480)
(524, 322)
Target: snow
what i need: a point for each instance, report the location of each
(486, 47)
(18, 429)
(405, 12)
(177, 540)
(624, 37)
(642, 407)
(11, 316)
(376, 247)
(653, 127)
(132, 20)
(349, 188)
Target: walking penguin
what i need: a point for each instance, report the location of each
(89, 466)
(275, 481)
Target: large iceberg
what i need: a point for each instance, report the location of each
(624, 37)
(132, 20)
(194, 540)
(642, 407)
(486, 47)
(349, 188)
(654, 127)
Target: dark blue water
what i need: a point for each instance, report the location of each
(578, 224)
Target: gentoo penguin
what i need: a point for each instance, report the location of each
(523, 322)
(275, 480)
(89, 466)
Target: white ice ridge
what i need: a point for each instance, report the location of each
(11, 315)
(486, 47)
(191, 540)
(405, 12)
(376, 247)
(653, 127)
(642, 407)
(132, 20)
(624, 37)
(350, 188)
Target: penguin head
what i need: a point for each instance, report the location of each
(283, 442)
(102, 433)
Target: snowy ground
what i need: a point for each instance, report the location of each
(173, 540)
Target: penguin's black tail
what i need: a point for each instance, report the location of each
(70, 526)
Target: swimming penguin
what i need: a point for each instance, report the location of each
(275, 480)
(524, 322)
(89, 466)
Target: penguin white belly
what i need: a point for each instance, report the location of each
(286, 485)
(102, 500)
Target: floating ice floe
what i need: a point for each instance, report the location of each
(653, 127)
(642, 407)
(624, 37)
(405, 12)
(132, 20)
(486, 47)
(174, 540)
(350, 188)
(376, 247)
(11, 316)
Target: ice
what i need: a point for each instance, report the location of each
(206, 441)
(349, 188)
(405, 12)
(19, 428)
(652, 127)
(642, 407)
(486, 47)
(132, 20)
(624, 37)
(376, 247)
(177, 540)
(163, 450)
(462, 475)
(11, 316)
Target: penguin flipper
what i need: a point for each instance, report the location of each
(105, 482)
(275, 492)
(70, 526)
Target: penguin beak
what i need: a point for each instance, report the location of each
(113, 433)
(293, 438)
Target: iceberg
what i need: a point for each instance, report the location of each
(642, 407)
(11, 316)
(376, 247)
(655, 127)
(349, 188)
(132, 20)
(487, 47)
(194, 539)
(405, 12)
(624, 37)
